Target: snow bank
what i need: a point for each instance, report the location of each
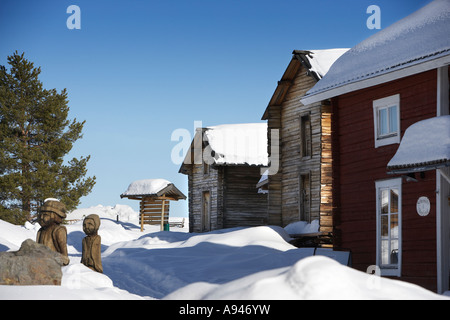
(78, 283)
(312, 278)
(164, 262)
(238, 263)
(12, 236)
(125, 213)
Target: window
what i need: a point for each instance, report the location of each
(305, 136)
(205, 168)
(386, 113)
(206, 211)
(389, 226)
(305, 197)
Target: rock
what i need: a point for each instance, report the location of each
(33, 264)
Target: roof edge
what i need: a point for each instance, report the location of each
(401, 72)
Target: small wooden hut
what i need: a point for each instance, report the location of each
(155, 196)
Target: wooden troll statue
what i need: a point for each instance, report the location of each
(52, 234)
(91, 253)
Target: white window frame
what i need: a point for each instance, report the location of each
(392, 269)
(392, 137)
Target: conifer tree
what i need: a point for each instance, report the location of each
(35, 136)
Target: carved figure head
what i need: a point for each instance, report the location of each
(51, 212)
(91, 224)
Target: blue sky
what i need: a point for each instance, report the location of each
(138, 70)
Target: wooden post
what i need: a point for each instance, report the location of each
(142, 215)
(162, 214)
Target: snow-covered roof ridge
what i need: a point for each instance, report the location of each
(425, 145)
(421, 37)
(320, 61)
(151, 187)
(316, 63)
(238, 144)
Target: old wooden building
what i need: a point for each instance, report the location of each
(223, 168)
(390, 204)
(299, 181)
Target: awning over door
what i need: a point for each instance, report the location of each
(425, 146)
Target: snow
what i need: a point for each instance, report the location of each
(312, 278)
(322, 60)
(238, 263)
(425, 142)
(418, 38)
(302, 227)
(239, 143)
(146, 187)
(124, 212)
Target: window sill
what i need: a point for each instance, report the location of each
(387, 140)
(390, 272)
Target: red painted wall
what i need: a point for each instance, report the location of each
(358, 164)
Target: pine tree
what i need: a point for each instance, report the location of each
(35, 136)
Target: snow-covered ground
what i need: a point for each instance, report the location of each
(239, 263)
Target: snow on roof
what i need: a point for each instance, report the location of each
(425, 145)
(322, 60)
(237, 144)
(146, 187)
(421, 37)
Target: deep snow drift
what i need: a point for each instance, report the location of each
(240, 263)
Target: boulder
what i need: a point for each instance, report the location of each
(33, 264)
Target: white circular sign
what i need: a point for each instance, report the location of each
(423, 206)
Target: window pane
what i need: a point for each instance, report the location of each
(394, 226)
(384, 201)
(383, 122)
(384, 226)
(393, 120)
(394, 200)
(306, 135)
(394, 252)
(385, 252)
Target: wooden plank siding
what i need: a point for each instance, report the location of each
(235, 201)
(326, 166)
(243, 205)
(274, 199)
(199, 182)
(357, 165)
(284, 197)
(292, 162)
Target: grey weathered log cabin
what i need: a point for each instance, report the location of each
(223, 168)
(301, 190)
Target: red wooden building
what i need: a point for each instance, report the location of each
(396, 217)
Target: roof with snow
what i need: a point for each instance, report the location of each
(152, 188)
(425, 146)
(417, 39)
(316, 62)
(230, 144)
(239, 144)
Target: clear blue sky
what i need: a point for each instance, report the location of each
(139, 69)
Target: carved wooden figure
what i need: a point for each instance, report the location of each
(52, 234)
(91, 253)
